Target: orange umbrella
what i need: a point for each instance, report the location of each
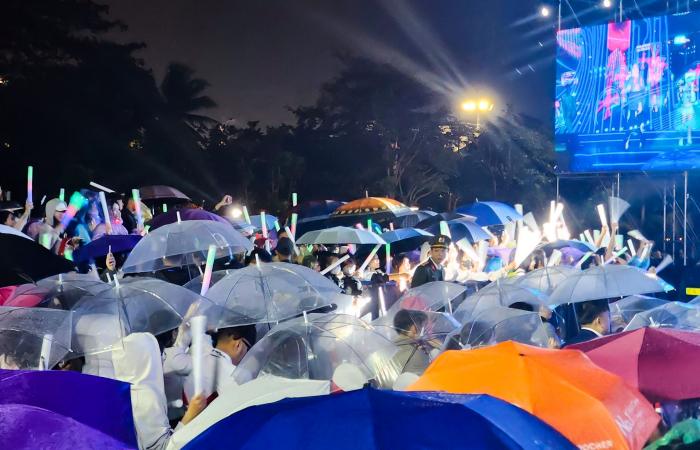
(593, 408)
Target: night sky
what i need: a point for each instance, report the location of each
(262, 56)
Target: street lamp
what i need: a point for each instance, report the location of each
(544, 11)
(478, 106)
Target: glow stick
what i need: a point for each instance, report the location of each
(596, 235)
(467, 248)
(445, 229)
(391, 226)
(105, 212)
(550, 232)
(510, 229)
(45, 240)
(43, 199)
(277, 226)
(664, 263)
(62, 195)
(617, 208)
(583, 259)
(582, 237)
(630, 245)
(518, 208)
(335, 264)
(637, 235)
(294, 199)
(8, 196)
(388, 257)
(263, 223)
(529, 220)
(165, 207)
(137, 202)
(77, 201)
(601, 215)
(103, 188)
(483, 248)
(198, 326)
(552, 209)
(246, 216)
(68, 253)
(294, 223)
(527, 242)
(558, 211)
(382, 302)
(589, 237)
(369, 225)
(45, 352)
(291, 237)
(619, 241)
(206, 279)
(616, 255)
(30, 183)
(369, 257)
(179, 219)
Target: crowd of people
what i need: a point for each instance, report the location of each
(166, 393)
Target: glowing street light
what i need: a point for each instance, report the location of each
(544, 11)
(478, 106)
(469, 105)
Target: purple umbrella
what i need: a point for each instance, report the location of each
(185, 214)
(37, 405)
(100, 247)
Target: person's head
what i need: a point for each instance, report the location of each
(596, 316)
(311, 261)
(54, 210)
(235, 341)
(131, 205)
(400, 264)
(349, 267)
(409, 322)
(284, 249)
(374, 263)
(8, 218)
(438, 248)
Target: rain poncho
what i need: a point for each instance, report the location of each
(137, 361)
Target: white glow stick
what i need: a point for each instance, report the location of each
(45, 352)
(483, 249)
(637, 235)
(382, 302)
(617, 208)
(206, 278)
(335, 264)
(369, 257)
(467, 248)
(246, 216)
(589, 237)
(102, 188)
(583, 259)
(527, 242)
(529, 220)
(550, 232)
(616, 255)
(582, 237)
(552, 209)
(291, 238)
(664, 263)
(601, 215)
(198, 326)
(105, 212)
(558, 211)
(619, 241)
(630, 245)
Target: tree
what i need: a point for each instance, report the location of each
(184, 94)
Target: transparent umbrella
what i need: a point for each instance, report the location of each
(195, 284)
(433, 296)
(681, 316)
(183, 243)
(33, 338)
(340, 235)
(609, 281)
(499, 324)
(499, 294)
(546, 279)
(313, 347)
(623, 310)
(59, 291)
(273, 292)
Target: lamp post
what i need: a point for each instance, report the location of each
(478, 106)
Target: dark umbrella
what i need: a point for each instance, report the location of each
(23, 261)
(160, 192)
(100, 247)
(185, 214)
(581, 246)
(57, 410)
(411, 218)
(462, 229)
(435, 219)
(406, 239)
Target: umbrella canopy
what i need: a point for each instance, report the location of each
(58, 410)
(185, 214)
(681, 316)
(436, 218)
(377, 208)
(462, 229)
(376, 419)
(242, 226)
(24, 261)
(491, 213)
(195, 284)
(316, 209)
(183, 243)
(272, 292)
(546, 279)
(623, 310)
(411, 218)
(564, 388)
(406, 239)
(608, 281)
(33, 338)
(661, 363)
(500, 324)
(59, 291)
(581, 246)
(313, 347)
(340, 235)
(101, 246)
(270, 220)
(160, 192)
(499, 293)
(433, 296)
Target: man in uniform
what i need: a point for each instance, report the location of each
(432, 269)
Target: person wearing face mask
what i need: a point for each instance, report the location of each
(351, 284)
(51, 224)
(432, 269)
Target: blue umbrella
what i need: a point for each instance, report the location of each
(269, 220)
(406, 239)
(100, 247)
(491, 213)
(382, 419)
(463, 229)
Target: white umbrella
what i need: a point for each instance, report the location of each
(340, 235)
(545, 279)
(607, 281)
(681, 316)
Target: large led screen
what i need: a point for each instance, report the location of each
(627, 96)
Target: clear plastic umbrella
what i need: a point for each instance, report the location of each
(609, 281)
(499, 294)
(681, 316)
(273, 292)
(623, 310)
(312, 347)
(499, 324)
(64, 290)
(546, 279)
(195, 284)
(433, 296)
(340, 235)
(183, 243)
(33, 338)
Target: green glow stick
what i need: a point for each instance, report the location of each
(165, 207)
(388, 257)
(294, 199)
(62, 195)
(246, 215)
(369, 225)
(45, 240)
(68, 254)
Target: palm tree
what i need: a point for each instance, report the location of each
(184, 94)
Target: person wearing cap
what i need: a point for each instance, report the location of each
(8, 217)
(51, 223)
(432, 269)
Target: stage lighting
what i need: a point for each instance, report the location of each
(236, 213)
(469, 106)
(484, 105)
(607, 3)
(544, 11)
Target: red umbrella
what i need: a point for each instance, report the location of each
(662, 363)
